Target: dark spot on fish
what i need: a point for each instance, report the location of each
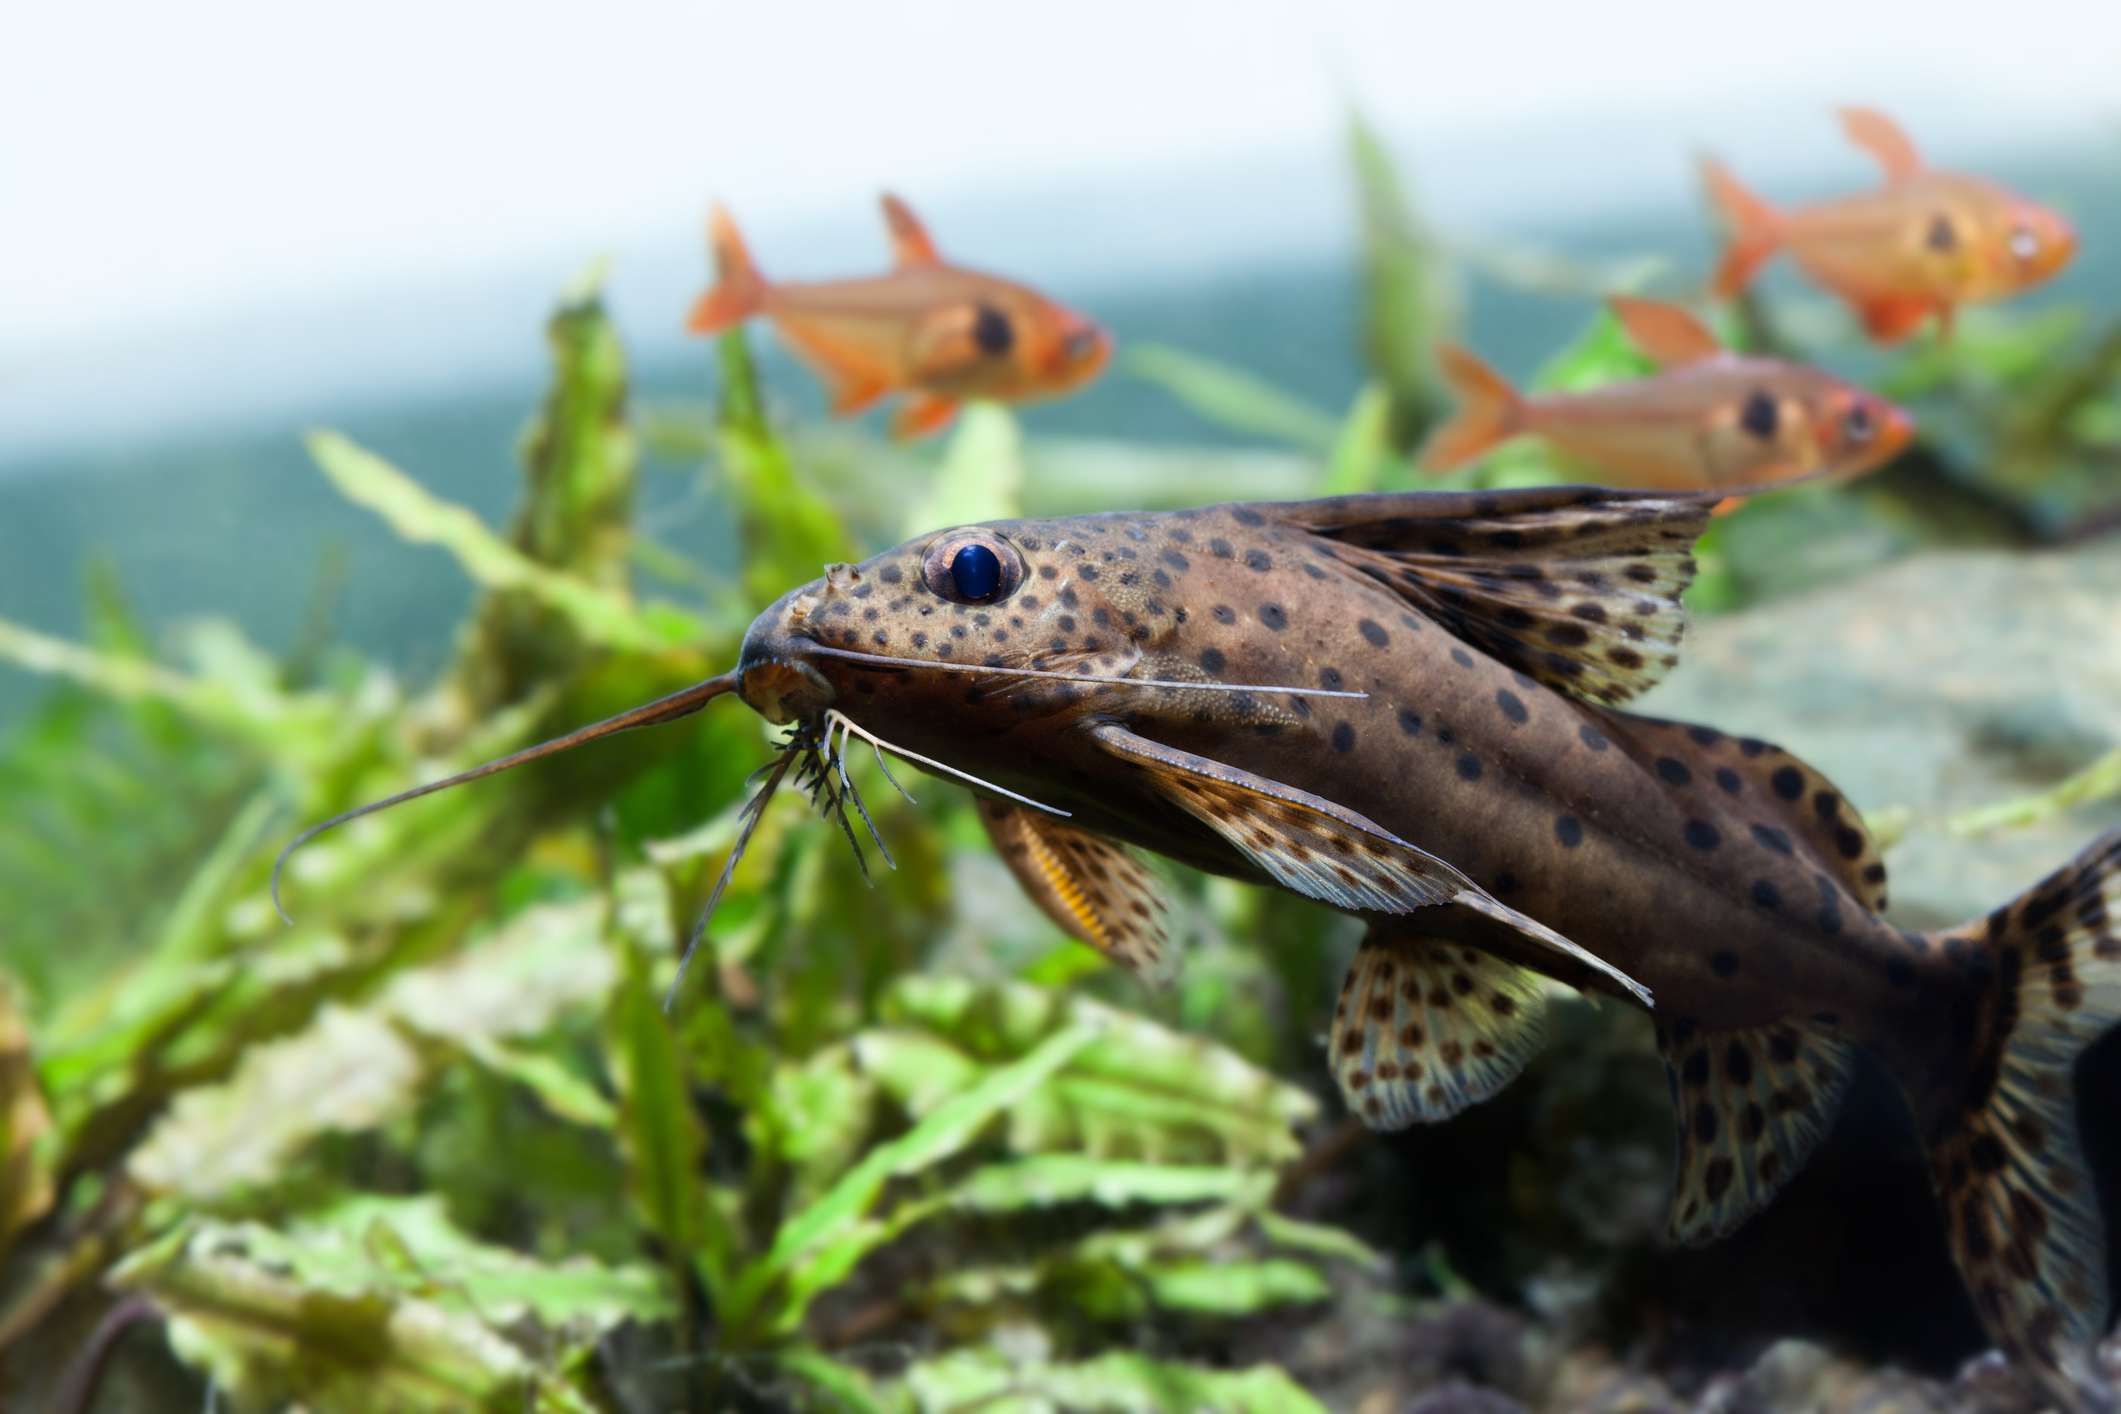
(1220, 548)
(1512, 706)
(1716, 1178)
(1212, 660)
(1343, 737)
(1176, 561)
(1900, 972)
(1826, 805)
(1088, 572)
(1329, 679)
(1766, 894)
(1723, 962)
(1702, 835)
(1642, 574)
(1849, 842)
(1568, 830)
(1410, 721)
(1258, 560)
(1371, 631)
(1469, 767)
(1760, 414)
(1626, 657)
(1247, 517)
(1591, 737)
(1224, 614)
(1068, 599)
(1728, 780)
(1568, 635)
(1788, 782)
(1772, 838)
(1942, 236)
(891, 574)
(1272, 616)
(1696, 1071)
(1705, 1123)
(1674, 771)
(1047, 572)
(1506, 883)
(1461, 657)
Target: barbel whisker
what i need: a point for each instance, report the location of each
(885, 660)
(849, 792)
(850, 726)
(754, 810)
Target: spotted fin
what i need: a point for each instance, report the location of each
(1097, 891)
(1792, 810)
(1750, 1106)
(1664, 332)
(911, 248)
(1575, 586)
(1427, 1026)
(2020, 1210)
(1313, 847)
(1884, 140)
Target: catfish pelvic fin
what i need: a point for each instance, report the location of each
(1575, 586)
(1098, 892)
(1311, 846)
(1750, 1106)
(1427, 1026)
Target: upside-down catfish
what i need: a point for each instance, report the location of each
(1405, 706)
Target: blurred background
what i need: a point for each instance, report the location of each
(349, 432)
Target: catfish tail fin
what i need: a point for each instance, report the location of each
(1755, 229)
(2022, 1217)
(739, 290)
(1489, 412)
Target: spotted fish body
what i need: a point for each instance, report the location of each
(1496, 821)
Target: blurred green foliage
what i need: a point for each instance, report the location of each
(439, 1145)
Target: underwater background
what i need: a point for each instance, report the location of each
(439, 1146)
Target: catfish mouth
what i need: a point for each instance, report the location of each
(776, 682)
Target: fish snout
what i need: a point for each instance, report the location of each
(774, 676)
(1081, 352)
(2040, 243)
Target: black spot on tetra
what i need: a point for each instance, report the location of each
(1942, 236)
(992, 331)
(1760, 415)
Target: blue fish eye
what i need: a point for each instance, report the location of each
(976, 573)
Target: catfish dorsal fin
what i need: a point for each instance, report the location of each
(1664, 332)
(1576, 586)
(1883, 139)
(911, 248)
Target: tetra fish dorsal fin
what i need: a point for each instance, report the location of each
(911, 247)
(1097, 891)
(1750, 1107)
(1575, 586)
(1664, 332)
(1427, 1026)
(1884, 140)
(1792, 810)
(1313, 847)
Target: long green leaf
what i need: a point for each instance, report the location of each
(1233, 399)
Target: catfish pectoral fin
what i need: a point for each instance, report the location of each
(1097, 891)
(1311, 846)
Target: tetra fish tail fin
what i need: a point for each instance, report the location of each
(739, 289)
(2021, 1214)
(1489, 411)
(1755, 229)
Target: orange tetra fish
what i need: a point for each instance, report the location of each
(1925, 243)
(937, 332)
(1710, 419)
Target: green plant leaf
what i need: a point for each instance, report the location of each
(995, 1384)
(982, 476)
(1233, 399)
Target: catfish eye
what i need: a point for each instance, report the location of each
(1857, 424)
(992, 331)
(2025, 244)
(973, 569)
